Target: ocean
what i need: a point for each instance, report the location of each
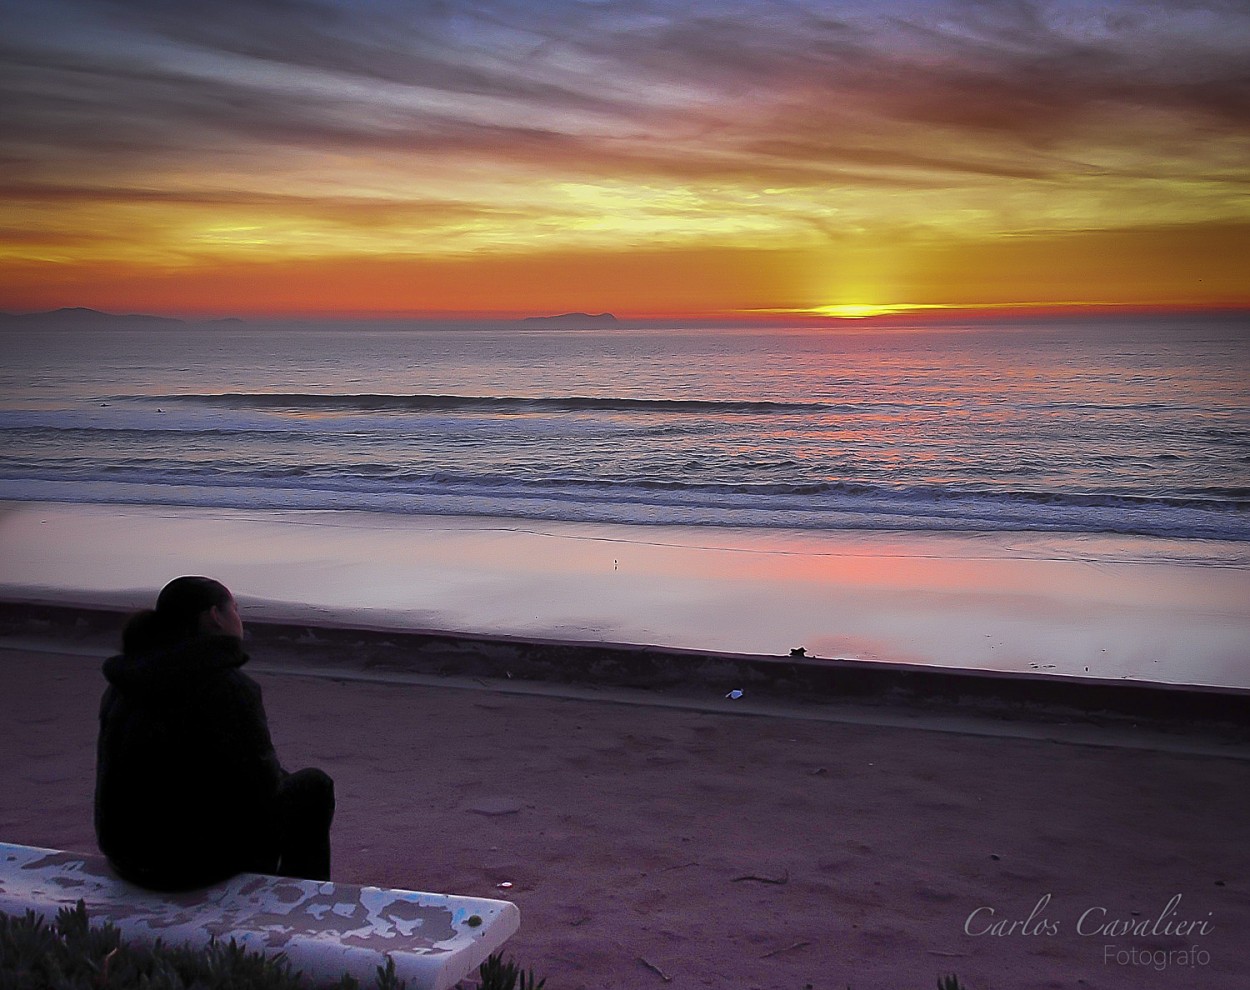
(1120, 425)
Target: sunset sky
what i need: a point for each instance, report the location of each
(254, 157)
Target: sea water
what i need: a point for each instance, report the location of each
(1124, 425)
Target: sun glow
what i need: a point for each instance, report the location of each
(863, 311)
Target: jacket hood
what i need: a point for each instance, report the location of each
(181, 664)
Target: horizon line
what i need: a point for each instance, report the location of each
(835, 314)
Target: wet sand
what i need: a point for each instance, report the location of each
(1109, 607)
(697, 845)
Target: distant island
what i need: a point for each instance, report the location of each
(80, 318)
(570, 321)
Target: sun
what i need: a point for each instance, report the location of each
(855, 311)
(864, 311)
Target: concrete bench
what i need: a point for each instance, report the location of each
(324, 929)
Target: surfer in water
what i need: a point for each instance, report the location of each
(189, 790)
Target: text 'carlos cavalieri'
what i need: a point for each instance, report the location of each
(1092, 921)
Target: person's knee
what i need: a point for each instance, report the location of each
(318, 782)
(308, 792)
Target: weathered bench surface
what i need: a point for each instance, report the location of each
(324, 929)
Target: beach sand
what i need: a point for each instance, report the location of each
(679, 838)
(1109, 607)
(698, 845)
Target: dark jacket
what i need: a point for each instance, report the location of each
(186, 774)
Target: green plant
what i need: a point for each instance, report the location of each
(495, 974)
(387, 980)
(70, 954)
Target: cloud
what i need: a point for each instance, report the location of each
(443, 47)
(743, 117)
(605, 79)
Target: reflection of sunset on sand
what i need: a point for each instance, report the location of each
(1116, 606)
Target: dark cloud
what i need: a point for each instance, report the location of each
(425, 45)
(1007, 68)
(101, 107)
(796, 91)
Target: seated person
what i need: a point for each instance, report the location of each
(188, 789)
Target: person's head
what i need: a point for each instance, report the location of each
(186, 607)
(190, 605)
